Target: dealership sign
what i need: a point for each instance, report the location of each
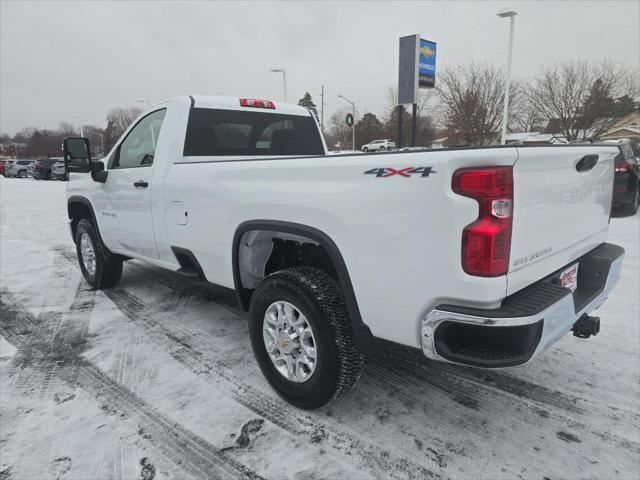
(427, 63)
(417, 67)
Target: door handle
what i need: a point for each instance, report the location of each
(141, 184)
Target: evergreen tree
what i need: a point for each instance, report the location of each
(307, 102)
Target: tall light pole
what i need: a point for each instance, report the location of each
(511, 14)
(80, 122)
(353, 127)
(284, 79)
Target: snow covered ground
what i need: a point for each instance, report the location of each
(155, 378)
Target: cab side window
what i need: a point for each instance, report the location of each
(139, 146)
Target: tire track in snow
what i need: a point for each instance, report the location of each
(194, 454)
(54, 338)
(470, 395)
(395, 462)
(184, 448)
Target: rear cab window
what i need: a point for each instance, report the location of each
(216, 132)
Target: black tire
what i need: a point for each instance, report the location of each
(365, 149)
(22, 174)
(632, 208)
(382, 149)
(108, 268)
(320, 299)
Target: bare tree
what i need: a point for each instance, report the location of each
(523, 116)
(579, 95)
(472, 97)
(425, 127)
(67, 129)
(118, 119)
(338, 131)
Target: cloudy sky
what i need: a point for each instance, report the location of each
(59, 60)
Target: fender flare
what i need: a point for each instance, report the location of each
(87, 203)
(365, 339)
(94, 220)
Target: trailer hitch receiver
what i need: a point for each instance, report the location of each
(586, 326)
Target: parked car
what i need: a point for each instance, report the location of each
(58, 171)
(18, 168)
(6, 168)
(378, 145)
(2, 166)
(626, 186)
(42, 169)
(477, 256)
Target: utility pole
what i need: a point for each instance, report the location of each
(322, 109)
(511, 15)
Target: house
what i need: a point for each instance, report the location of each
(439, 142)
(530, 138)
(533, 138)
(627, 126)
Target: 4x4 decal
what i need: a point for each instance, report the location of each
(403, 172)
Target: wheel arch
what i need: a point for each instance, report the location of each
(79, 207)
(366, 341)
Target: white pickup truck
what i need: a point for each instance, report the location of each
(478, 256)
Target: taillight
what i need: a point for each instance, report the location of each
(251, 102)
(622, 167)
(486, 243)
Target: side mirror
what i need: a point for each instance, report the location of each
(77, 154)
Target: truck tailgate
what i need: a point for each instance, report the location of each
(562, 201)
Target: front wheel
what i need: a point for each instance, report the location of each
(100, 268)
(302, 338)
(22, 174)
(365, 149)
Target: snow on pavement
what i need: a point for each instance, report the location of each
(155, 379)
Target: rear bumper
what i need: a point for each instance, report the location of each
(528, 321)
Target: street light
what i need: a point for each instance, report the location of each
(511, 14)
(284, 79)
(80, 122)
(353, 127)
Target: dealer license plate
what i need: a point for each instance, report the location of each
(569, 278)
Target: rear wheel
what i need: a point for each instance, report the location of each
(302, 338)
(100, 268)
(632, 208)
(22, 173)
(365, 149)
(383, 148)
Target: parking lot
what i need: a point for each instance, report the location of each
(155, 378)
